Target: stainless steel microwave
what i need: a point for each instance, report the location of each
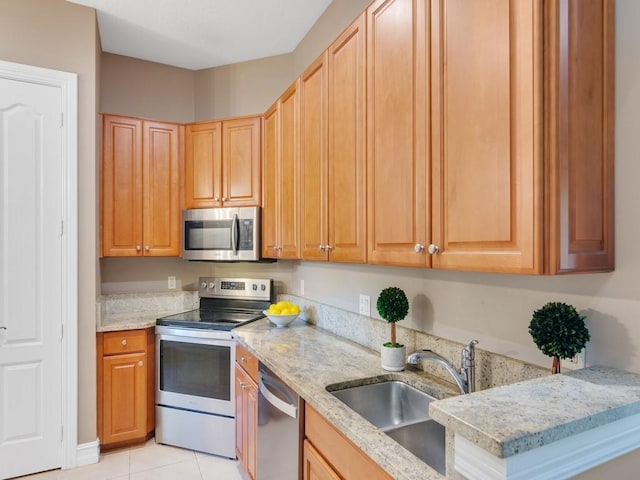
(221, 234)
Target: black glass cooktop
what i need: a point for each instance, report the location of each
(210, 319)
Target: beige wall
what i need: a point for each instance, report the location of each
(62, 36)
(146, 89)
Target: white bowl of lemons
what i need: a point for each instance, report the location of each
(282, 313)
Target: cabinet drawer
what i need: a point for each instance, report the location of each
(342, 455)
(127, 341)
(248, 361)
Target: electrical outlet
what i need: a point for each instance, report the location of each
(579, 361)
(365, 305)
(301, 288)
(171, 282)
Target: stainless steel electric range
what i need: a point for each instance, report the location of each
(195, 356)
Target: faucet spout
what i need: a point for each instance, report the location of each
(465, 378)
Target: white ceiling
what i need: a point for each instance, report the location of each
(197, 34)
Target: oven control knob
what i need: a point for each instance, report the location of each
(212, 285)
(254, 287)
(263, 287)
(204, 285)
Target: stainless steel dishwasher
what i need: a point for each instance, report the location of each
(279, 428)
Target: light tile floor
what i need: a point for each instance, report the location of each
(151, 461)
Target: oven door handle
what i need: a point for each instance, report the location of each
(235, 231)
(287, 408)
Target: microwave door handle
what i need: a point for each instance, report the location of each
(235, 233)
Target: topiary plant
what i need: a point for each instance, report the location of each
(393, 306)
(559, 331)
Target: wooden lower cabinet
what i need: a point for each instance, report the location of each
(246, 389)
(126, 387)
(328, 454)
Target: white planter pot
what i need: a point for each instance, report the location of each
(393, 358)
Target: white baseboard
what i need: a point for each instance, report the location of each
(88, 453)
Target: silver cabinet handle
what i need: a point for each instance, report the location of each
(138, 248)
(124, 342)
(2, 327)
(434, 249)
(418, 248)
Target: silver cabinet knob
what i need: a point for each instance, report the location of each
(418, 248)
(146, 248)
(215, 199)
(321, 248)
(224, 199)
(124, 342)
(141, 363)
(138, 248)
(328, 248)
(433, 249)
(243, 359)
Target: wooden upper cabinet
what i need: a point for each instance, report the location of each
(222, 163)
(270, 149)
(241, 162)
(398, 133)
(203, 165)
(486, 156)
(579, 136)
(161, 190)
(140, 188)
(522, 147)
(332, 151)
(346, 149)
(314, 171)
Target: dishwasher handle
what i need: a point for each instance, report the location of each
(290, 408)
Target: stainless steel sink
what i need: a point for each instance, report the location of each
(402, 412)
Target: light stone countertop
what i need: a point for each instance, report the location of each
(308, 359)
(129, 321)
(513, 419)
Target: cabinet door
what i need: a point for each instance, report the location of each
(124, 397)
(241, 162)
(486, 146)
(270, 149)
(314, 466)
(287, 178)
(251, 433)
(313, 161)
(398, 134)
(121, 186)
(347, 206)
(579, 107)
(161, 190)
(203, 164)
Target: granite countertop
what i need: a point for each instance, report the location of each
(308, 359)
(513, 419)
(129, 321)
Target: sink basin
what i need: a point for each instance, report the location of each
(402, 412)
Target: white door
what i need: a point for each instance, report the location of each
(31, 284)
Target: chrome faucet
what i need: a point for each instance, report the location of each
(465, 378)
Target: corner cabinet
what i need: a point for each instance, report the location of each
(332, 152)
(140, 188)
(223, 163)
(126, 387)
(280, 231)
(246, 393)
